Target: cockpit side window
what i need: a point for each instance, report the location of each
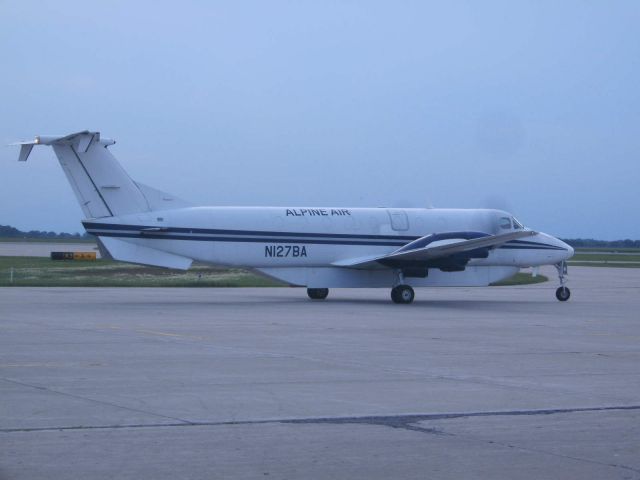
(516, 224)
(505, 223)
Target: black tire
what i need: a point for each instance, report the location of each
(317, 293)
(563, 294)
(394, 295)
(402, 294)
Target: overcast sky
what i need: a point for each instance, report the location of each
(528, 106)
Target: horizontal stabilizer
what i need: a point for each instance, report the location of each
(25, 151)
(80, 140)
(132, 253)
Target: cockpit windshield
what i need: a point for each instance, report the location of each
(505, 223)
(516, 224)
(508, 223)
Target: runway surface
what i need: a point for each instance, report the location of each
(502, 382)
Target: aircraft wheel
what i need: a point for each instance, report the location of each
(394, 295)
(563, 294)
(317, 293)
(402, 294)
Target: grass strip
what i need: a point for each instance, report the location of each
(520, 278)
(604, 264)
(43, 272)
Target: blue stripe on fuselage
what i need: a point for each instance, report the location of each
(209, 231)
(169, 236)
(257, 236)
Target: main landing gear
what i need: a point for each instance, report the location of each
(402, 293)
(317, 293)
(562, 293)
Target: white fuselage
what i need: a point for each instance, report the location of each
(304, 246)
(316, 247)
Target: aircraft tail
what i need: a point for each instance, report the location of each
(100, 184)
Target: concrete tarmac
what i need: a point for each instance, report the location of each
(501, 382)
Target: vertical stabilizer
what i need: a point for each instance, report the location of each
(100, 184)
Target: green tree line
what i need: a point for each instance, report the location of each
(7, 231)
(590, 242)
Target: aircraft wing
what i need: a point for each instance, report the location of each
(438, 248)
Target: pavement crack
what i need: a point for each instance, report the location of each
(402, 422)
(407, 421)
(88, 399)
(565, 456)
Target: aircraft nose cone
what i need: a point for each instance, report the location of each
(563, 251)
(569, 251)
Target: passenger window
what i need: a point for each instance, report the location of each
(505, 223)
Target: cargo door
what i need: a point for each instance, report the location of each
(399, 219)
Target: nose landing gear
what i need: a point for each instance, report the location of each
(562, 293)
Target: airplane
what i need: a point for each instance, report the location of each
(318, 248)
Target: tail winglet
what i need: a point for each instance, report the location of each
(82, 141)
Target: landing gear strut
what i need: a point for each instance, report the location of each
(317, 293)
(402, 293)
(562, 293)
